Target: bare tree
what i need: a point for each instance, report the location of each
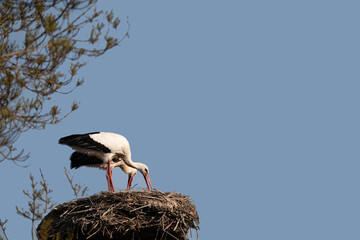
(43, 44)
(78, 189)
(39, 202)
(3, 229)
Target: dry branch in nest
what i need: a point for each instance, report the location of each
(122, 215)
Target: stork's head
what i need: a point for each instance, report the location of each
(145, 172)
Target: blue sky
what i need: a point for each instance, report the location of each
(248, 107)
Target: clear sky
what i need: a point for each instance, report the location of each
(249, 107)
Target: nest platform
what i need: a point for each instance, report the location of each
(122, 215)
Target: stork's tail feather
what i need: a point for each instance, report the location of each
(79, 159)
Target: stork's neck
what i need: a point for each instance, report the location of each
(132, 164)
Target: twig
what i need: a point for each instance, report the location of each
(148, 205)
(78, 189)
(176, 225)
(2, 225)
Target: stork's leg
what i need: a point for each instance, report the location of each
(111, 181)
(108, 176)
(130, 178)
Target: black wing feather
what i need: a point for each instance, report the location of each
(80, 159)
(84, 141)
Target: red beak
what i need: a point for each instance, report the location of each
(148, 182)
(129, 182)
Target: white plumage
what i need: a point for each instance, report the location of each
(105, 150)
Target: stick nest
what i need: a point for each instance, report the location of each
(122, 215)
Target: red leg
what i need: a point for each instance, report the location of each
(130, 178)
(111, 181)
(108, 177)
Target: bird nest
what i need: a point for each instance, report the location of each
(122, 215)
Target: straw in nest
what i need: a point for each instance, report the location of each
(122, 215)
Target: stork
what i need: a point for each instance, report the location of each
(105, 150)
(79, 159)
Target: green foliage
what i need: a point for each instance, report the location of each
(44, 229)
(43, 232)
(42, 47)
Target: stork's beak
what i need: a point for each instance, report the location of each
(148, 182)
(129, 182)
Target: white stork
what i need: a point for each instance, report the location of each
(106, 151)
(79, 159)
